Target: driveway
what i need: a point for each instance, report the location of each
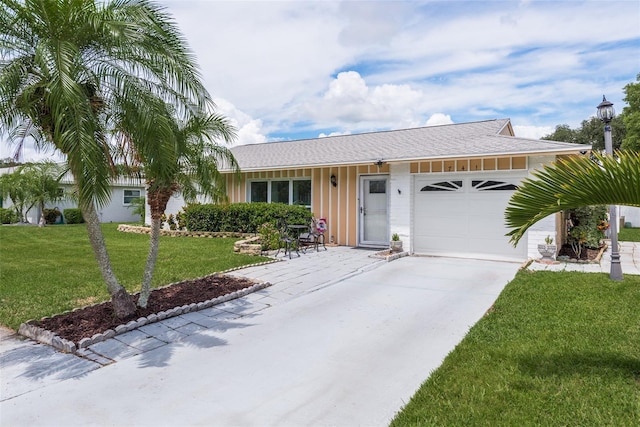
(350, 353)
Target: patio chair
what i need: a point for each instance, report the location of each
(286, 241)
(315, 236)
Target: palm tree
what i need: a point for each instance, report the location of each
(572, 183)
(45, 184)
(191, 168)
(71, 69)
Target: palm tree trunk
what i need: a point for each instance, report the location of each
(150, 266)
(158, 200)
(122, 301)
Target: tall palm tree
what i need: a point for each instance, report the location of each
(572, 183)
(191, 168)
(70, 69)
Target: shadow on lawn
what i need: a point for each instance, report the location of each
(592, 363)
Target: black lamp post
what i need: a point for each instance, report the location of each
(606, 113)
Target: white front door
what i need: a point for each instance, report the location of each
(374, 202)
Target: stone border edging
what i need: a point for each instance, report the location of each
(389, 257)
(138, 229)
(46, 336)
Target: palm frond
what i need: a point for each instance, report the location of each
(571, 183)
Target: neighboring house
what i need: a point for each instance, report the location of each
(629, 215)
(119, 208)
(443, 189)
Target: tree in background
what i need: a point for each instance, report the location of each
(71, 71)
(631, 116)
(45, 184)
(590, 132)
(32, 184)
(625, 127)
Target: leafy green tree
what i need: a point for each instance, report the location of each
(15, 186)
(590, 132)
(76, 75)
(44, 184)
(572, 183)
(631, 116)
(191, 168)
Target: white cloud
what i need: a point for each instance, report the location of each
(286, 68)
(439, 119)
(532, 132)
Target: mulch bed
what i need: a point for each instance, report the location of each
(96, 319)
(587, 254)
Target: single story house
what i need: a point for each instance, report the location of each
(118, 209)
(443, 189)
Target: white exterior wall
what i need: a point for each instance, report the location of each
(631, 214)
(545, 227)
(400, 203)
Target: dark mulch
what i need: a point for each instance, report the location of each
(587, 254)
(86, 322)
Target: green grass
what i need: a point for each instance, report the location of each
(45, 271)
(557, 349)
(629, 235)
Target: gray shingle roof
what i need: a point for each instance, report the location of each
(446, 141)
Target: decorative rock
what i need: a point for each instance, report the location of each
(68, 346)
(84, 343)
(131, 325)
(96, 338)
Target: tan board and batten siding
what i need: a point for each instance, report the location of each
(486, 149)
(339, 205)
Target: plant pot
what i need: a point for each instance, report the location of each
(548, 252)
(395, 246)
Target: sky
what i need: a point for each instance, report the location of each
(305, 69)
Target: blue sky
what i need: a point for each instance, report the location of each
(302, 69)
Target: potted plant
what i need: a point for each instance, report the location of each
(548, 250)
(396, 244)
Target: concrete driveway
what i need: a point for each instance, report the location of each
(352, 353)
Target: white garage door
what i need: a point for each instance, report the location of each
(456, 216)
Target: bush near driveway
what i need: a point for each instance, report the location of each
(558, 348)
(242, 217)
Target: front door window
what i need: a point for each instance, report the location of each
(373, 211)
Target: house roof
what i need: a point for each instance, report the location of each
(475, 139)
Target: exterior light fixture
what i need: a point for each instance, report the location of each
(379, 163)
(606, 113)
(334, 180)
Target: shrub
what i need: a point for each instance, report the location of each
(51, 215)
(242, 217)
(8, 216)
(586, 227)
(73, 216)
(269, 236)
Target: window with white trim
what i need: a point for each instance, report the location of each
(129, 196)
(283, 190)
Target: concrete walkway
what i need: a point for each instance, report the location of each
(629, 262)
(340, 339)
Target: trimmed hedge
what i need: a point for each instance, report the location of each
(73, 216)
(242, 217)
(8, 216)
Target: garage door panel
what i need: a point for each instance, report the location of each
(468, 220)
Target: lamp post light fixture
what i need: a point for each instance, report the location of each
(606, 113)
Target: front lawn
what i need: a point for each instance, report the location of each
(629, 235)
(556, 349)
(45, 271)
